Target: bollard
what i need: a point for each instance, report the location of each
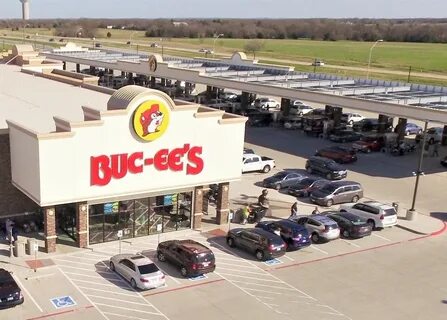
(411, 215)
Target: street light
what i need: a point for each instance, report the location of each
(214, 43)
(161, 40)
(93, 42)
(370, 53)
(130, 39)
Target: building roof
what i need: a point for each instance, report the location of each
(34, 101)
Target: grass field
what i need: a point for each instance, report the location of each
(422, 57)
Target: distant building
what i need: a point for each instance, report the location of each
(109, 27)
(179, 23)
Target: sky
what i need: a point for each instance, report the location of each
(44, 9)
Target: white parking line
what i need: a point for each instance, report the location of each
(75, 262)
(253, 278)
(87, 298)
(107, 291)
(27, 292)
(96, 277)
(350, 243)
(260, 290)
(84, 269)
(236, 265)
(101, 284)
(124, 316)
(119, 300)
(264, 285)
(376, 235)
(287, 257)
(236, 270)
(318, 249)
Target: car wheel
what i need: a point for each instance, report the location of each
(420, 131)
(345, 233)
(371, 223)
(112, 266)
(277, 106)
(309, 170)
(133, 283)
(266, 169)
(315, 237)
(259, 255)
(230, 242)
(368, 150)
(351, 122)
(184, 272)
(329, 203)
(161, 257)
(278, 187)
(355, 198)
(300, 114)
(407, 133)
(329, 176)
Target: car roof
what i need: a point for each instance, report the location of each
(321, 159)
(264, 233)
(193, 246)
(343, 183)
(378, 204)
(137, 259)
(5, 275)
(321, 218)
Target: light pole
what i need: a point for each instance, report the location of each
(419, 172)
(93, 42)
(214, 42)
(370, 54)
(161, 40)
(130, 39)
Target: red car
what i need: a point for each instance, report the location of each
(338, 154)
(368, 144)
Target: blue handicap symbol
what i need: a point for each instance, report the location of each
(272, 262)
(199, 277)
(63, 302)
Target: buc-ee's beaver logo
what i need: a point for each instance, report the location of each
(150, 120)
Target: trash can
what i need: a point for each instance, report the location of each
(396, 207)
(32, 246)
(19, 248)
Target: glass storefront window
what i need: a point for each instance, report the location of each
(140, 217)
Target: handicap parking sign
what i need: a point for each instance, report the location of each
(63, 302)
(198, 278)
(272, 262)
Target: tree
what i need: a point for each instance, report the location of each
(109, 35)
(253, 46)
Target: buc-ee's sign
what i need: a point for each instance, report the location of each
(150, 121)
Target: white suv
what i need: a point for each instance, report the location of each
(377, 214)
(351, 118)
(266, 103)
(300, 109)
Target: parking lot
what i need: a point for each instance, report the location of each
(383, 275)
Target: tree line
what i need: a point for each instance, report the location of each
(397, 30)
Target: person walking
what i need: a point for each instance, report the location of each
(245, 213)
(294, 210)
(435, 150)
(316, 210)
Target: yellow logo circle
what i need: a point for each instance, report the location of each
(150, 120)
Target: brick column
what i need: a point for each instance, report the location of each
(285, 106)
(50, 229)
(383, 123)
(64, 65)
(222, 208)
(78, 68)
(82, 225)
(400, 129)
(197, 209)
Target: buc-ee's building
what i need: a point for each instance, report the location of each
(88, 163)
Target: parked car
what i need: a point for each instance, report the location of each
(351, 118)
(434, 134)
(206, 51)
(282, 180)
(337, 192)
(10, 293)
(345, 136)
(193, 258)
(306, 186)
(319, 226)
(369, 143)
(263, 244)
(326, 167)
(98, 45)
(338, 154)
(253, 162)
(377, 214)
(259, 119)
(228, 96)
(411, 128)
(154, 45)
(299, 109)
(266, 103)
(351, 226)
(444, 162)
(318, 63)
(293, 123)
(294, 235)
(248, 151)
(139, 270)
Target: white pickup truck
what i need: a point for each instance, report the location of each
(253, 162)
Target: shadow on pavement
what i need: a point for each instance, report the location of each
(439, 215)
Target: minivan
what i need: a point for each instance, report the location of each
(337, 192)
(294, 235)
(325, 167)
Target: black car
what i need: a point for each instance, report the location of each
(259, 119)
(345, 136)
(294, 235)
(351, 226)
(283, 179)
(444, 162)
(326, 167)
(340, 154)
(248, 151)
(305, 187)
(10, 293)
(191, 257)
(263, 244)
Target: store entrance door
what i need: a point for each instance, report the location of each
(66, 222)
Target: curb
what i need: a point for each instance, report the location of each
(440, 231)
(412, 230)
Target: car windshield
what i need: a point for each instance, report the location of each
(205, 257)
(356, 220)
(305, 182)
(280, 175)
(148, 268)
(328, 189)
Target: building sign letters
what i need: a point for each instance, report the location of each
(104, 168)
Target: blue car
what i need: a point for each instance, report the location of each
(294, 235)
(411, 128)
